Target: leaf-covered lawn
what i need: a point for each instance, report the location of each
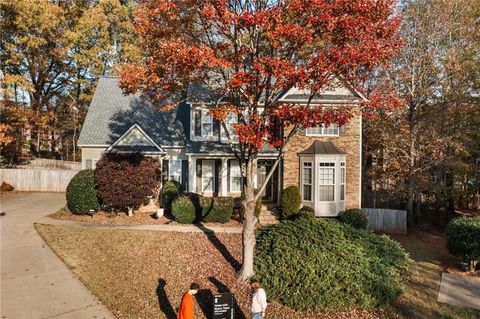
(141, 274)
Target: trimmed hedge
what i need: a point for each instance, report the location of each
(462, 237)
(291, 201)
(356, 218)
(304, 212)
(323, 265)
(217, 209)
(170, 191)
(81, 193)
(191, 208)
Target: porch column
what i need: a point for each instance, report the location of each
(192, 174)
(224, 177)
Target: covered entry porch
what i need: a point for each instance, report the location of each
(221, 176)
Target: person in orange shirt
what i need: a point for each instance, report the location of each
(186, 306)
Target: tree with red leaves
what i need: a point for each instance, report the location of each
(249, 51)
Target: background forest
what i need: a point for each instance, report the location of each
(423, 153)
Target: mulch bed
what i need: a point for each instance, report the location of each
(138, 218)
(456, 271)
(144, 274)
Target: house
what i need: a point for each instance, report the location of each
(325, 162)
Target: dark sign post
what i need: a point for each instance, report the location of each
(223, 306)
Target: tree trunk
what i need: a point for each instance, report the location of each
(130, 211)
(248, 234)
(473, 265)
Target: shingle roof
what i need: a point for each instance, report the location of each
(111, 114)
(216, 148)
(319, 147)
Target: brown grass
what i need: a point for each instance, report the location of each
(140, 274)
(139, 218)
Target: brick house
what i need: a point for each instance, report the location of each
(325, 162)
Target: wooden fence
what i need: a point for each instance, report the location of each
(38, 180)
(43, 163)
(387, 220)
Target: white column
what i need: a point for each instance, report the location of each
(224, 177)
(192, 174)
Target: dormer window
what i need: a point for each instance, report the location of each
(207, 123)
(231, 119)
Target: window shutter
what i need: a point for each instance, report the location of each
(185, 175)
(197, 114)
(228, 175)
(216, 128)
(199, 176)
(165, 171)
(342, 130)
(218, 180)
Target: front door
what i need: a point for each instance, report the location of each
(262, 170)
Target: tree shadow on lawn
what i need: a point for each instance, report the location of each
(164, 303)
(220, 247)
(204, 298)
(222, 288)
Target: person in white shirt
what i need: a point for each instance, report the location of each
(259, 300)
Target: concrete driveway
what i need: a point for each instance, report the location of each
(34, 281)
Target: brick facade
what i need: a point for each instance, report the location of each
(349, 143)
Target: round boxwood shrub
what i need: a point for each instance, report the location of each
(81, 193)
(304, 212)
(185, 207)
(462, 238)
(291, 201)
(323, 265)
(170, 191)
(356, 218)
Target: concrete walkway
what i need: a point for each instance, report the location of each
(163, 228)
(34, 281)
(460, 291)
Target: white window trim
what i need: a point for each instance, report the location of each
(232, 164)
(212, 162)
(312, 167)
(202, 122)
(334, 167)
(323, 129)
(341, 181)
(170, 169)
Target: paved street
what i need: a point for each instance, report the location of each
(34, 281)
(461, 291)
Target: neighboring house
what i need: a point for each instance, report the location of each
(325, 162)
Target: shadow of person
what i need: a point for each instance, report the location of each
(204, 298)
(222, 288)
(163, 302)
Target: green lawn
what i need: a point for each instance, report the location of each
(142, 274)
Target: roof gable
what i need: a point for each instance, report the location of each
(133, 140)
(339, 92)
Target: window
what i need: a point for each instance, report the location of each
(207, 123)
(229, 121)
(326, 181)
(88, 164)
(175, 170)
(321, 130)
(342, 181)
(307, 181)
(235, 177)
(208, 171)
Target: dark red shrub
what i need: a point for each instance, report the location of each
(126, 181)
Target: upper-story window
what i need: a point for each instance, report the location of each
(231, 119)
(332, 129)
(207, 123)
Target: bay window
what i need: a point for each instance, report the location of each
(307, 181)
(326, 180)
